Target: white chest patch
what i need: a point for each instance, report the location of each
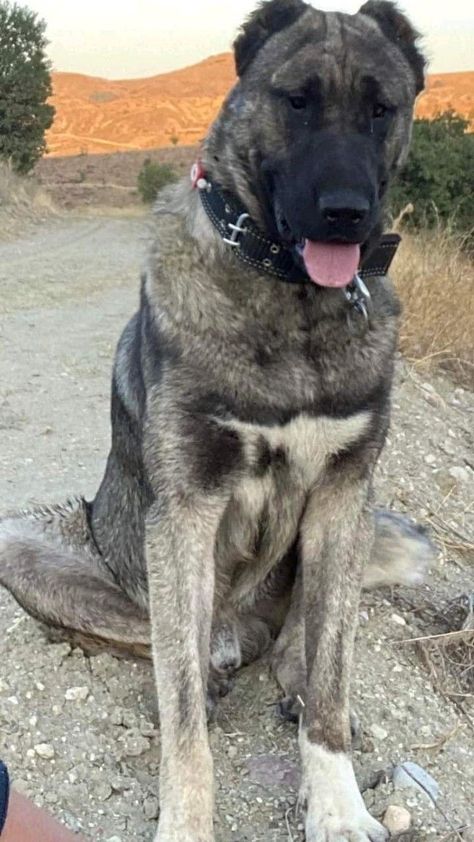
(304, 443)
(283, 465)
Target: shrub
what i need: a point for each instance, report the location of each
(438, 178)
(152, 177)
(25, 85)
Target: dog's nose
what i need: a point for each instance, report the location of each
(343, 208)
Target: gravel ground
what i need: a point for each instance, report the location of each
(81, 734)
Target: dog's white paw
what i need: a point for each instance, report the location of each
(335, 810)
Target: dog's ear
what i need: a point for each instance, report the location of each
(268, 18)
(398, 28)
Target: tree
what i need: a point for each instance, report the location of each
(438, 178)
(25, 85)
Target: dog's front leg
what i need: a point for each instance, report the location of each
(180, 557)
(336, 538)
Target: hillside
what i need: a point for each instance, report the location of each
(100, 115)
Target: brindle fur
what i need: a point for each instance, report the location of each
(247, 418)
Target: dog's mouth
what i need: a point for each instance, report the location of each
(329, 263)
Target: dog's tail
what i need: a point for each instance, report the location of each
(402, 552)
(51, 565)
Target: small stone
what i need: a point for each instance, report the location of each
(72, 822)
(45, 751)
(116, 716)
(377, 732)
(397, 713)
(114, 839)
(102, 790)
(232, 752)
(444, 480)
(151, 808)
(59, 652)
(369, 798)
(134, 744)
(410, 775)
(129, 719)
(76, 694)
(459, 473)
(268, 770)
(366, 745)
(400, 621)
(430, 459)
(147, 729)
(397, 819)
(23, 787)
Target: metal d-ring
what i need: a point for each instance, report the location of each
(358, 296)
(237, 230)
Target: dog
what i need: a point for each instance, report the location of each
(250, 402)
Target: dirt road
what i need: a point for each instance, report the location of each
(81, 734)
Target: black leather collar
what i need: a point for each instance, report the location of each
(252, 247)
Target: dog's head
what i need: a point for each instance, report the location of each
(318, 122)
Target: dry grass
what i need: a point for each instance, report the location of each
(435, 279)
(22, 201)
(448, 655)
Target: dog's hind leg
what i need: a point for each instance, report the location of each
(401, 555)
(49, 564)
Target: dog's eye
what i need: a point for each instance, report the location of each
(298, 102)
(379, 110)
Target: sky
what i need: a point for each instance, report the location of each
(121, 39)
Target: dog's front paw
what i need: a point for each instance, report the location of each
(360, 827)
(335, 810)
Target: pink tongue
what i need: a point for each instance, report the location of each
(331, 264)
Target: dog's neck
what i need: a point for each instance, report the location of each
(237, 231)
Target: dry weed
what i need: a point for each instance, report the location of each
(435, 280)
(449, 656)
(22, 200)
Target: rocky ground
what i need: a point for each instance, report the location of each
(80, 734)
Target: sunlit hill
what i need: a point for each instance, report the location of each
(99, 115)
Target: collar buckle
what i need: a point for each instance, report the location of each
(236, 230)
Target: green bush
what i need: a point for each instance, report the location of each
(152, 177)
(25, 85)
(438, 178)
